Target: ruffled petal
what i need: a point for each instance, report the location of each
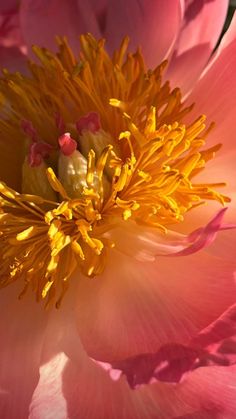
(21, 330)
(72, 385)
(168, 364)
(136, 307)
(83, 389)
(205, 236)
(206, 393)
(215, 95)
(145, 243)
(201, 28)
(172, 361)
(151, 24)
(43, 20)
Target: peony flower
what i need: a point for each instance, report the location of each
(117, 213)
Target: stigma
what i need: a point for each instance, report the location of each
(103, 144)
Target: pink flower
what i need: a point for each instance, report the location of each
(146, 328)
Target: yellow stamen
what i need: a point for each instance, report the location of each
(141, 164)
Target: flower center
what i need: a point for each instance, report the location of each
(102, 141)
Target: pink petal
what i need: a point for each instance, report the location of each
(10, 32)
(21, 331)
(224, 245)
(69, 388)
(171, 361)
(224, 327)
(12, 59)
(146, 243)
(8, 6)
(42, 21)
(80, 389)
(206, 393)
(151, 24)
(99, 7)
(136, 307)
(168, 364)
(228, 37)
(222, 168)
(72, 385)
(201, 28)
(215, 95)
(49, 390)
(205, 236)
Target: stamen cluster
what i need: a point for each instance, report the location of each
(99, 141)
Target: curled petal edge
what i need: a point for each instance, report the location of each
(203, 236)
